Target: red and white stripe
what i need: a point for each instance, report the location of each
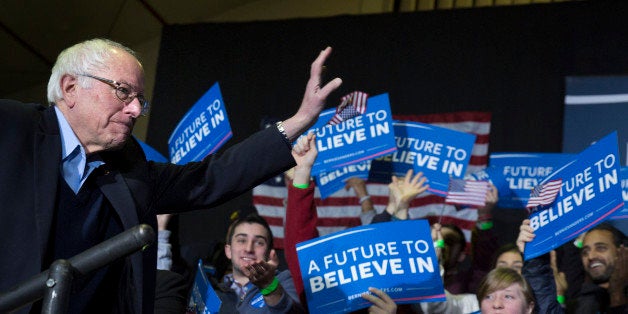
(544, 194)
(467, 192)
(351, 105)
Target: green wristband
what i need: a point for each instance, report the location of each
(271, 287)
(301, 185)
(439, 243)
(560, 299)
(485, 225)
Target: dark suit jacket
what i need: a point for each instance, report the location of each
(138, 190)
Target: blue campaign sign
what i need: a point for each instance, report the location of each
(330, 182)
(203, 298)
(361, 138)
(438, 152)
(590, 193)
(202, 131)
(620, 218)
(151, 153)
(624, 190)
(397, 257)
(516, 174)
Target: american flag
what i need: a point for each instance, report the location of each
(544, 194)
(342, 209)
(467, 192)
(351, 105)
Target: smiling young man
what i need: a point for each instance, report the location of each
(255, 285)
(605, 261)
(72, 176)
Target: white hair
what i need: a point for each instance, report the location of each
(82, 58)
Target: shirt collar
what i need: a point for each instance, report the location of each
(69, 141)
(235, 286)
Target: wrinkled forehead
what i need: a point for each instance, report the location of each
(124, 67)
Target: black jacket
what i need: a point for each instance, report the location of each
(137, 189)
(538, 272)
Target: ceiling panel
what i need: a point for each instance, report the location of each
(134, 24)
(194, 11)
(33, 32)
(19, 68)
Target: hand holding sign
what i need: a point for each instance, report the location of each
(382, 303)
(590, 192)
(397, 257)
(526, 234)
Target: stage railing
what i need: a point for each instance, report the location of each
(54, 285)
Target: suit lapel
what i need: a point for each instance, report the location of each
(47, 160)
(116, 191)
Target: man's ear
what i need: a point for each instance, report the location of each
(69, 86)
(228, 251)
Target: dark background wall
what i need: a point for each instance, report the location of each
(510, 61)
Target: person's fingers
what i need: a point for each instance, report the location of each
(297, 150)
(330, 87)
(422, 185)
(491, 194)
(311, 140)
(373, 299)
(380, 298)
(298, 147)
(383, 295)
(408, 177)
(436, 234)
(526, 234)
(316, 71)
(394, 180)
(416, 178)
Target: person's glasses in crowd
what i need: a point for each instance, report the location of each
(124, 92)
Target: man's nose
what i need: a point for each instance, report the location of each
(134, 107)
(250, 246)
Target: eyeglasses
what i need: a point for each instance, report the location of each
(124, 92)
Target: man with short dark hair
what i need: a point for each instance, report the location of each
(255, 285)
